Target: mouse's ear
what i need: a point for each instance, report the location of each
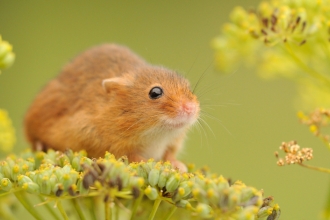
(116, 82)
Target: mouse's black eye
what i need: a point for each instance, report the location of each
(156, 92)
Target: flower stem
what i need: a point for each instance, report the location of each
(49, 208)
(76, 205)
(169, 215)
(154, 209)
(326, 212)
(321, 169)
(107, 210)
(27, 205)
(61, 209)
(6, 212)
(313, 73)
(136, 206)
(92, 207)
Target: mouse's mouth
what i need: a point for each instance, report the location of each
(179, 122)
(185, 115)
(176, 125)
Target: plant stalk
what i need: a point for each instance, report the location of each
(27, 205)
(169, 215)
(154, 209)
(61, 209)
(76, 205)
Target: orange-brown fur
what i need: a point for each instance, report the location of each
(75, 112)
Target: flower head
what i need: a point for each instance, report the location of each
(281, 38)
(7, 57)
(316, 121)
(52, 175)
(293, 154)
(7, 132)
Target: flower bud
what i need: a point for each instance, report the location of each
(7, 57)
(76, 163)
(31, 187)
(7, 60)
(88, 179)
(178, 194)
(142, 172)
(153, 176)
(136, 192)
(73, 190)
(5, 169)
(184, 204)
(80, 186)
(275, 214)
(186, 185)
(23, 179)
(249, 213)
(203, 210)
(151, 193)
(5, 48)
(58, 189)
(163, 178)
(173, 182)
(265, 211)
(45, 187)
(5, 184)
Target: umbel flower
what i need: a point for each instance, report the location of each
(317, 121)
(110, 188)
(7, 56)
(285, 38)
(7, 132)
(293, 154)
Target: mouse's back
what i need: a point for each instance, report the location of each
(78, 85)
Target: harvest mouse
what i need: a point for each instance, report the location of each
(110, 99)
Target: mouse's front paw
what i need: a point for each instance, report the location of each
(179, 165)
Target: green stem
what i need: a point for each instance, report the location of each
(50, 209)
(76, 205)
(116, 211)
(107, 211)
(27, 205)
(154, 209)
(92, 208)
(6, 212)
(321, 169)
(169, 215)
(61, 209)
(326, 212)
(136, 205)
(307, 69)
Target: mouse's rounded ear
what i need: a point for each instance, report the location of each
(115, 83)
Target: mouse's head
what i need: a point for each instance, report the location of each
(154, 97)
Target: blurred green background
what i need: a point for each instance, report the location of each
(256, 117)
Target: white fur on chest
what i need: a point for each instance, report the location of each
(156, 142)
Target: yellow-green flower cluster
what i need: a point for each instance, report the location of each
(145, 188)
(281, 38)
(7, 132)
(316, 121)
(272, 212)
(7, 57)
(52, 174)
(112, 178)
(203, 194)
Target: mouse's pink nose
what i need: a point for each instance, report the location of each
(189, 108)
